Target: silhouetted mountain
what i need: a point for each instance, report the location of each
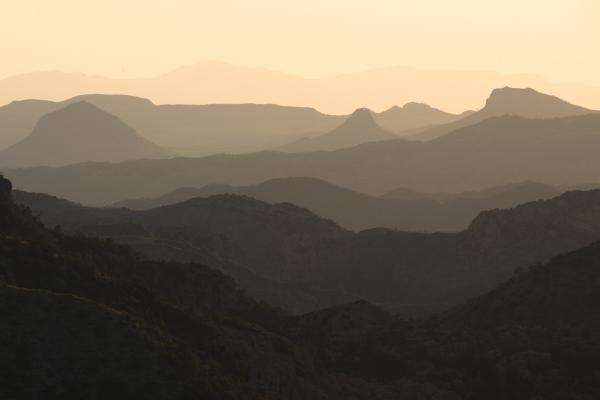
(77, 133)
(526, 103)
(410, 273)
(218, 83)
(201, 130)
(360, 127)
(411, 211)
(554, 151)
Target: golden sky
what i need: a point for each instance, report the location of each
(557, 39)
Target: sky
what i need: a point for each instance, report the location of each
(556, 39)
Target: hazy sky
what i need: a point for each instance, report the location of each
(558, 39)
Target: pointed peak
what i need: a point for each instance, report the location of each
(361, 116)
(361, 120)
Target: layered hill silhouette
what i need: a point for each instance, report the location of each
(527, 103)
(399, 209)
(218, 83)
(551, 150)
(77, 133)
(359, 128)
(215, 128)
(410, 273)
(197, 130)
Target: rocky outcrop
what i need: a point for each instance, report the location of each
(5, 189)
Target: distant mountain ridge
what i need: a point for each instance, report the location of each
(217, 82)
(213, 128)
(77, 133)
(528, 103)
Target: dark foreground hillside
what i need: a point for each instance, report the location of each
(535, 337)
(85, 319)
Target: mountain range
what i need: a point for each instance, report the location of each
(549, 150)
(207, 129)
